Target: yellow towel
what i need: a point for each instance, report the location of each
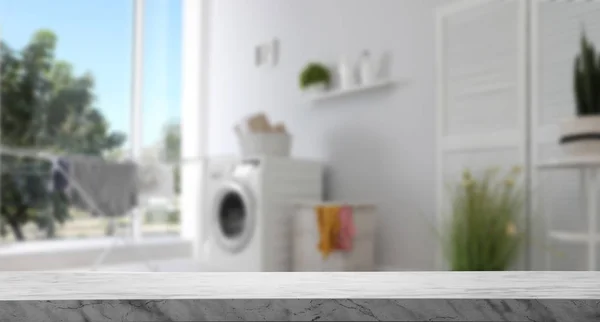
(328, 220)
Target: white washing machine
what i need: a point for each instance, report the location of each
(247, 223)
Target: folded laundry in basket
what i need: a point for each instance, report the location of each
(328, 221)
(347, 229)
(111, 186)
(258, 123)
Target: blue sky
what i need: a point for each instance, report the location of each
(96, 36)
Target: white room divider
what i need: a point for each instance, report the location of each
(556, 28)
(504, 83)
(481, 89)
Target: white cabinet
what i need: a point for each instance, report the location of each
(306, 255)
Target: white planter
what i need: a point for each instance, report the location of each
(581, 136)
(316, 88)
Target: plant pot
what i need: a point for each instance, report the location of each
(316, 88)
(581, 136)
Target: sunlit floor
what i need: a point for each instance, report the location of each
(71, 244)
(85, 227)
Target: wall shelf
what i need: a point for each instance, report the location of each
(355, 90)
(571, 162)
(570, 237)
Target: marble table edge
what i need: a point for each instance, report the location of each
(376, 285)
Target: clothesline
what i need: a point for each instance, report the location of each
(27, 153)
(64, 172)
(49, 156)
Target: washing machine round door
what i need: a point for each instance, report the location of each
(233, 216)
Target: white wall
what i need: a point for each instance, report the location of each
(379, 146)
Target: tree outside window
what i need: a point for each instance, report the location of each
(65, 88)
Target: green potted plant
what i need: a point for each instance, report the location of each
(315, 76)
(482, 230)
(581, 135)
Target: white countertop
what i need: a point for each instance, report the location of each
(407, 285)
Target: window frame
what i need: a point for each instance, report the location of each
(194, 126)
(137, 102)
(193, 139)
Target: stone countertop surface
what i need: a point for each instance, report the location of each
(368, 285)
(381, 296)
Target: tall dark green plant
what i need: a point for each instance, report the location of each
(587, 79)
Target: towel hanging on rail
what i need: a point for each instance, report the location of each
(111, 185)
(60, 169)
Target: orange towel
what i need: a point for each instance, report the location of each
(328, 220)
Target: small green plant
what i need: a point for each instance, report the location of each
(173, 217)
(314, 73)
(149, 217)
(587, 79)
(481, 233)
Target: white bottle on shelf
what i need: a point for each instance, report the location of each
(346, 74)
(366, 70)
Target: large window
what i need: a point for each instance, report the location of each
(66, 89)
(161, 134)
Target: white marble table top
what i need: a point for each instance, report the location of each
(394, 285)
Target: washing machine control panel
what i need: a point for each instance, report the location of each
(251, 163)
(245, 167)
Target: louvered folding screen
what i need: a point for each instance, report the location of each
(555, 33)
(481, 89)
(504, 84)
